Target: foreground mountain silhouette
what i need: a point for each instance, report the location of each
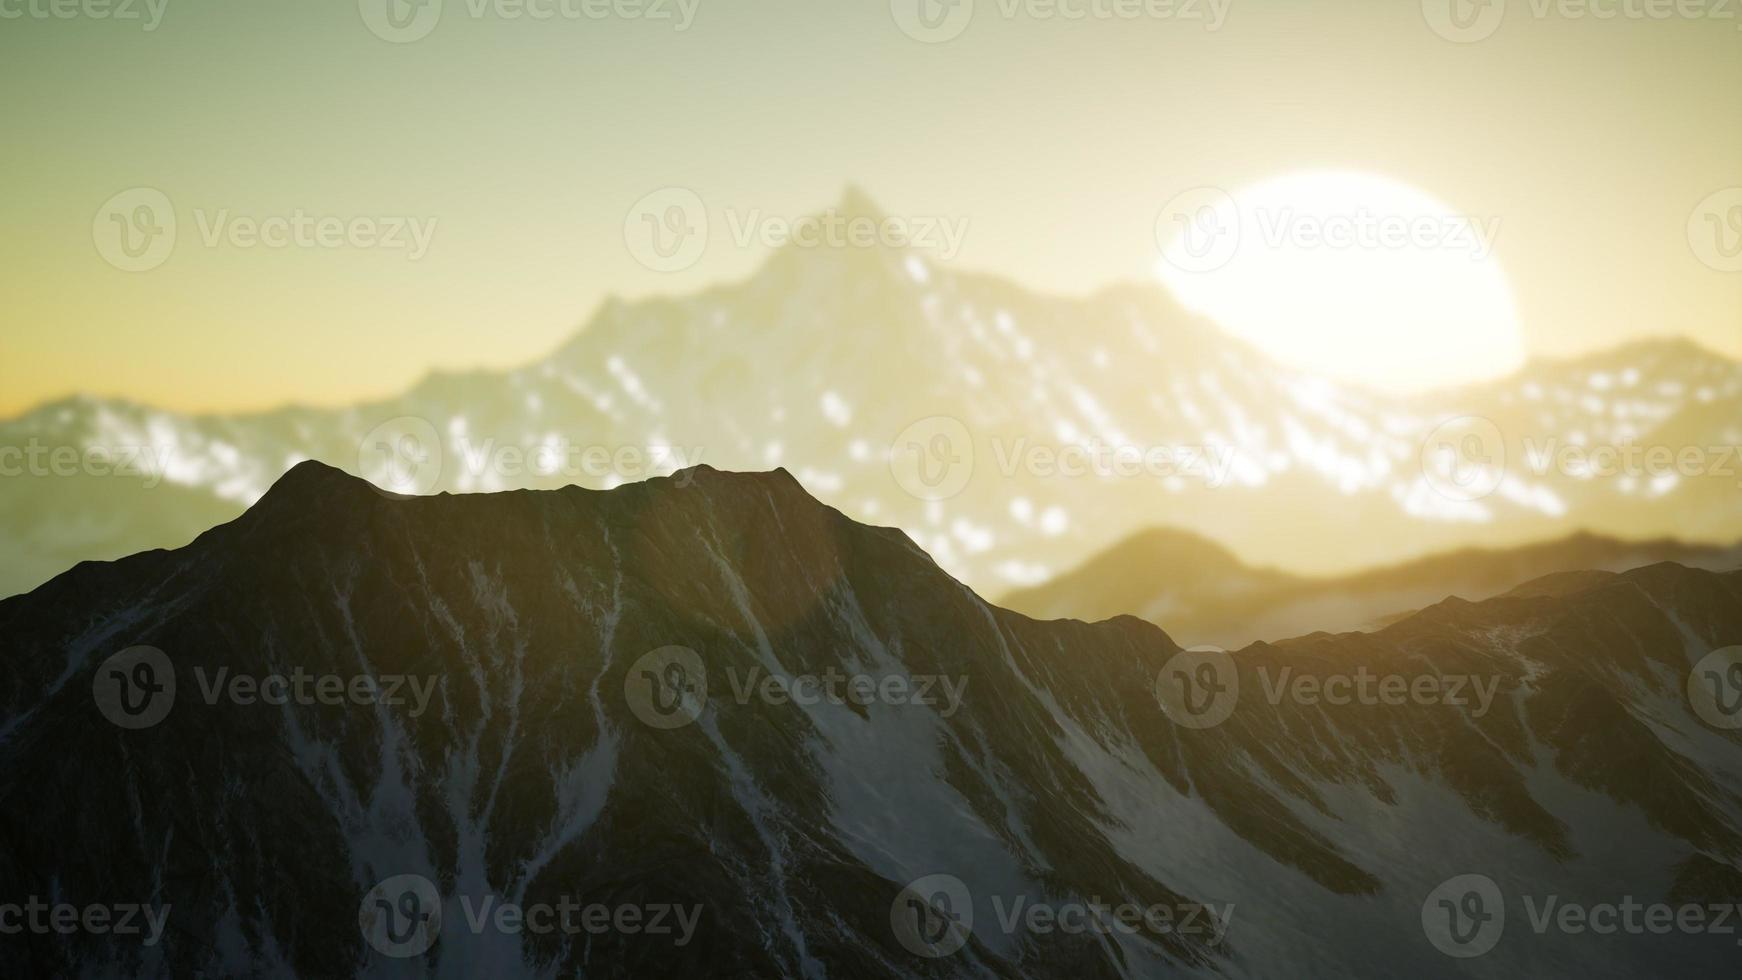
(1201, 593)
(826, 358)
(549, 764)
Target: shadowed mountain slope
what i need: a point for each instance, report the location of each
(543, 764)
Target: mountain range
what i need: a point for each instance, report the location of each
(1013, 435)
(1202, 594)
(328, 737)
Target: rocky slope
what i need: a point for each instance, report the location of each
(561, 700)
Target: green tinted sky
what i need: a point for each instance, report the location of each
(528, 141)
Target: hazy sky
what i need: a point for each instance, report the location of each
(526, 142)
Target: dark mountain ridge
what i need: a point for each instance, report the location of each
(558, 758)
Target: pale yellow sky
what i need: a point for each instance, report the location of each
(519, 146)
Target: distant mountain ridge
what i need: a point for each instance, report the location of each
(836, 362)
(1202, 594)
(879, 838)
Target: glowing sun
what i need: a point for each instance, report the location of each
(1352, 276)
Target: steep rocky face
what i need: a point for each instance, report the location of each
(1202, 594)
(1004, 412)
(725, 730)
